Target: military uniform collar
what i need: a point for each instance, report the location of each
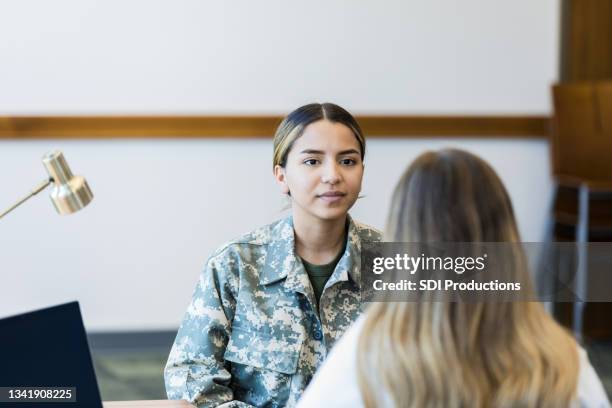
(282, 262)
(280, 253)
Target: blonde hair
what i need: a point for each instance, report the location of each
(292, 127)
(437, 352)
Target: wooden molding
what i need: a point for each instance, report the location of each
(107, 127)
(456, 126)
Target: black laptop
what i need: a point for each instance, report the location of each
(45, 360)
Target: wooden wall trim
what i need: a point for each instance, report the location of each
(107, 127)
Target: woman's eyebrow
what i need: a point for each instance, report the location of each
(350, 151)
(311, 151)
(343, 152)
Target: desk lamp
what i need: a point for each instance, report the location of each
(70, 193)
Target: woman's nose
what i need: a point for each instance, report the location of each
(331, 174)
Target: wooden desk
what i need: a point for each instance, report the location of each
(148, 404)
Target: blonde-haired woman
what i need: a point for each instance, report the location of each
(269, 305)
(440, 353)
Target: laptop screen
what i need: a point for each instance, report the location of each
(47, 349)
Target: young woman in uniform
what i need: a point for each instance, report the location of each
(269, 305)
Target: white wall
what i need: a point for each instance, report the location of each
(161, 206)
(192, 56)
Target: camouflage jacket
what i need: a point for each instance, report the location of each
(251, 335)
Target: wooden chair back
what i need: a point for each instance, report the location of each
(582, 131)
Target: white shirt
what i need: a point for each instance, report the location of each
(335, 384)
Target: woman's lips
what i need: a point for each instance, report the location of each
(332, 197)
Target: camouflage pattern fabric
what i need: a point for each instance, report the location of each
(251, 335)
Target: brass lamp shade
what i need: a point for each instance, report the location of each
(70, 193)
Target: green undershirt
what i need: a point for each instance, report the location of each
(319, 274)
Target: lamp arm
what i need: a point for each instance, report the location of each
(32, 193)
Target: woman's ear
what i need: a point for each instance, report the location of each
(281, 179)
